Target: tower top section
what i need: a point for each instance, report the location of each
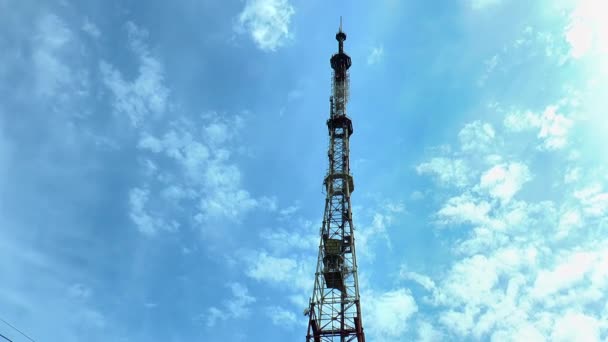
(341, 36)
(340, 61)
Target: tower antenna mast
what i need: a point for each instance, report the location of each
(335, 311)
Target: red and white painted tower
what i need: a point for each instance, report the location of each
(335, 311)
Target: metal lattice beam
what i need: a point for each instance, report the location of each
(335, 311)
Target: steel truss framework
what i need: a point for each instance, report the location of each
(335, 312)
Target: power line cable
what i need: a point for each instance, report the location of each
(19, 331)
(6, 338)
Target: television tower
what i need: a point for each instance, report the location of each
(335, 312)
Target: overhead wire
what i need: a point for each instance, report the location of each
(14, 327)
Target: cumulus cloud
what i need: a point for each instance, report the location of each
(567, 273)
(593, 200)
(514, 275)
(587, 30)
(464, 209)
(388, 313)
(267, 22)
(270, 268)
(576, 326)
(453, 172)
(553, 128)
(476, 136)
(505, 180)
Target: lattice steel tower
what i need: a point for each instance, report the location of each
(335, 312)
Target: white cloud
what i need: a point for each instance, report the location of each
(281, 316)
(553, 128)
(146, 94)
(203, 169)
(282, 240)
(464, 209)
(587, 30)
(490, 66)
(267, 22)
(212, 317)
(570, 219)
(572, 175)
(54, 44)
(90, 28)
(236, 307)
(217, 133)
(529, 265)
(593, 200)
(287, 213)
(226, 205)
(428, 333)
(518, 121)
(449, 171)
(476, 136)
(376, 229)
(482, 4)
(575, 326)
(471, 279)
(505, 180)
(376, 55)
(288, 271)
(421, 279)
(569, 272)
(580, 38)
(388, 313)
(148, 223)
(272, 269)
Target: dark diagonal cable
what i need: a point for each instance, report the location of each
(19, 331)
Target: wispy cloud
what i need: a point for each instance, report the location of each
(146, 94)
(235, 307)
(477, 136)
(483, 4)
(201, 175)
(91, 29)
(376, 55)
(267, 22)
(147, 222)
(281, 316)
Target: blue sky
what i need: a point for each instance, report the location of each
(161, 168)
